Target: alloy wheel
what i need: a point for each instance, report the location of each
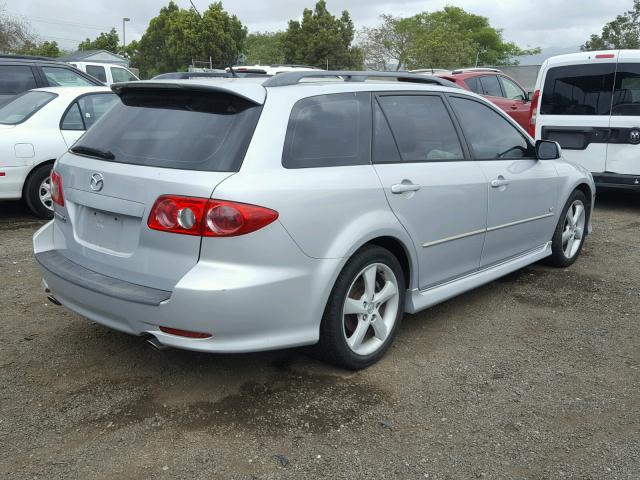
(44, 192)
(573, 230)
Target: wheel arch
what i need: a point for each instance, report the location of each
(32, 171)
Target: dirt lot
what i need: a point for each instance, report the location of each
(533, 376)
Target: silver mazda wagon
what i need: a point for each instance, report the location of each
(239, 215)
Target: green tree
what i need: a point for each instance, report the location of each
(264, 48)
(177, 36)
(447, 38)
(44, 49)
(109, 41)
(322, 38)
(622, 32)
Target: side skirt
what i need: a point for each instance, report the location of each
(420, 299)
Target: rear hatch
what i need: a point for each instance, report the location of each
(159, 139)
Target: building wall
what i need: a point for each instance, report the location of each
(525, 75)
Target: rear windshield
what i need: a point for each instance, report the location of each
(188, 130)
(23, 106)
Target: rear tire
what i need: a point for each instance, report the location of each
(570, 232)
(364, 310)
(37, 192)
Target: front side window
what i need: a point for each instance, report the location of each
(24, 106)
(422, 128)
(16, 79)
(626, 94)
(329, 131)
(98, 72)
(511, 90)
(122, 75)
(491, 86)
(489, 134)
(64, 77)
(578, 90)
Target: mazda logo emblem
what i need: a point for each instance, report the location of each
(634, 136)
(97, 182)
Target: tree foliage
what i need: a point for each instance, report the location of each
(622, 32)
(322, 38)
(264, 48)
(109, 41)
(44, 49)
(14, 33)
(177, 36)
(447, 38)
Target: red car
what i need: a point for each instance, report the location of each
(496, 87)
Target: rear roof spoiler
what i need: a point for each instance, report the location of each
(251, 91)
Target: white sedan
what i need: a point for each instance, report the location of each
(37, 127)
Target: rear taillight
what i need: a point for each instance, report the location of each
(207, 218)
(533, 113)
(57, 195)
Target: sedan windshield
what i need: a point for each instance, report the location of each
(23, 106)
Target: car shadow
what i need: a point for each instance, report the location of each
(623, 200)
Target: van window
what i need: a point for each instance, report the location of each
(180, 129)
(578, 90)
(98, 72)
(329, 131)
(626, 95)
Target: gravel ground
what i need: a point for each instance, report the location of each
(532, 376)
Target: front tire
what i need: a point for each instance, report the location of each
(37, 192)
(570, 232)
(364, 310)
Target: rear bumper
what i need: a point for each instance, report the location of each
(617, 180)
(253, 311)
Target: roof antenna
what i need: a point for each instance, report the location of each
(232, 71)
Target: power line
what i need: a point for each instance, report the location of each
(62, 22)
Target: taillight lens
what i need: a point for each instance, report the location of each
(207, 218)
(57, 195)
(533, 113)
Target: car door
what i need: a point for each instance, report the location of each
(435, 190)
(83, 113)
(623, 149)
(518, 106)
(522, 191)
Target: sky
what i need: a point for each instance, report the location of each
(529, 23)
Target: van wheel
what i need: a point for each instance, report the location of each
(570, 232)
(37, 192)
(364, 310)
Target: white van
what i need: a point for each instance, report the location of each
(590, 103)
(107, 73)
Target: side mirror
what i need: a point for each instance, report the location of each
(548, 150)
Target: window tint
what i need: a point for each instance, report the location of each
(626, 95)
(511, 90)
(176, 129)
(578, 90)
(329, 131)
(422, 128)
(94, 106)
(491, 86)
(488, 133)
(98, 72)
(385, 149)
(22, 107)
(474, 85)
(122, 75)
(72, 120)
(64, 77)
(16, 79)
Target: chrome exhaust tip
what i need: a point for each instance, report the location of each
(155, 344)
(53, 300)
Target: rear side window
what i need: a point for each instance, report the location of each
(98, 72)
(84, 112)
(489, 134)
(578, 90)
(474, 85)
(626, 95)
(24, 106)
(422, 128)
(64, 77)
(491, 86)
(167, 128)
(329, 131)
(16, 79)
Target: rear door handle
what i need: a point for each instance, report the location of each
(499, 182)
(404, 187)
(514, 106)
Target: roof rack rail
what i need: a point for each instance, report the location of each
(475, 69)
(293, 78)
(27, 57)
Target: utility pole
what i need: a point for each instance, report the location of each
(124, 41)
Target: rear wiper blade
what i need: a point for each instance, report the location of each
(93, 152)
